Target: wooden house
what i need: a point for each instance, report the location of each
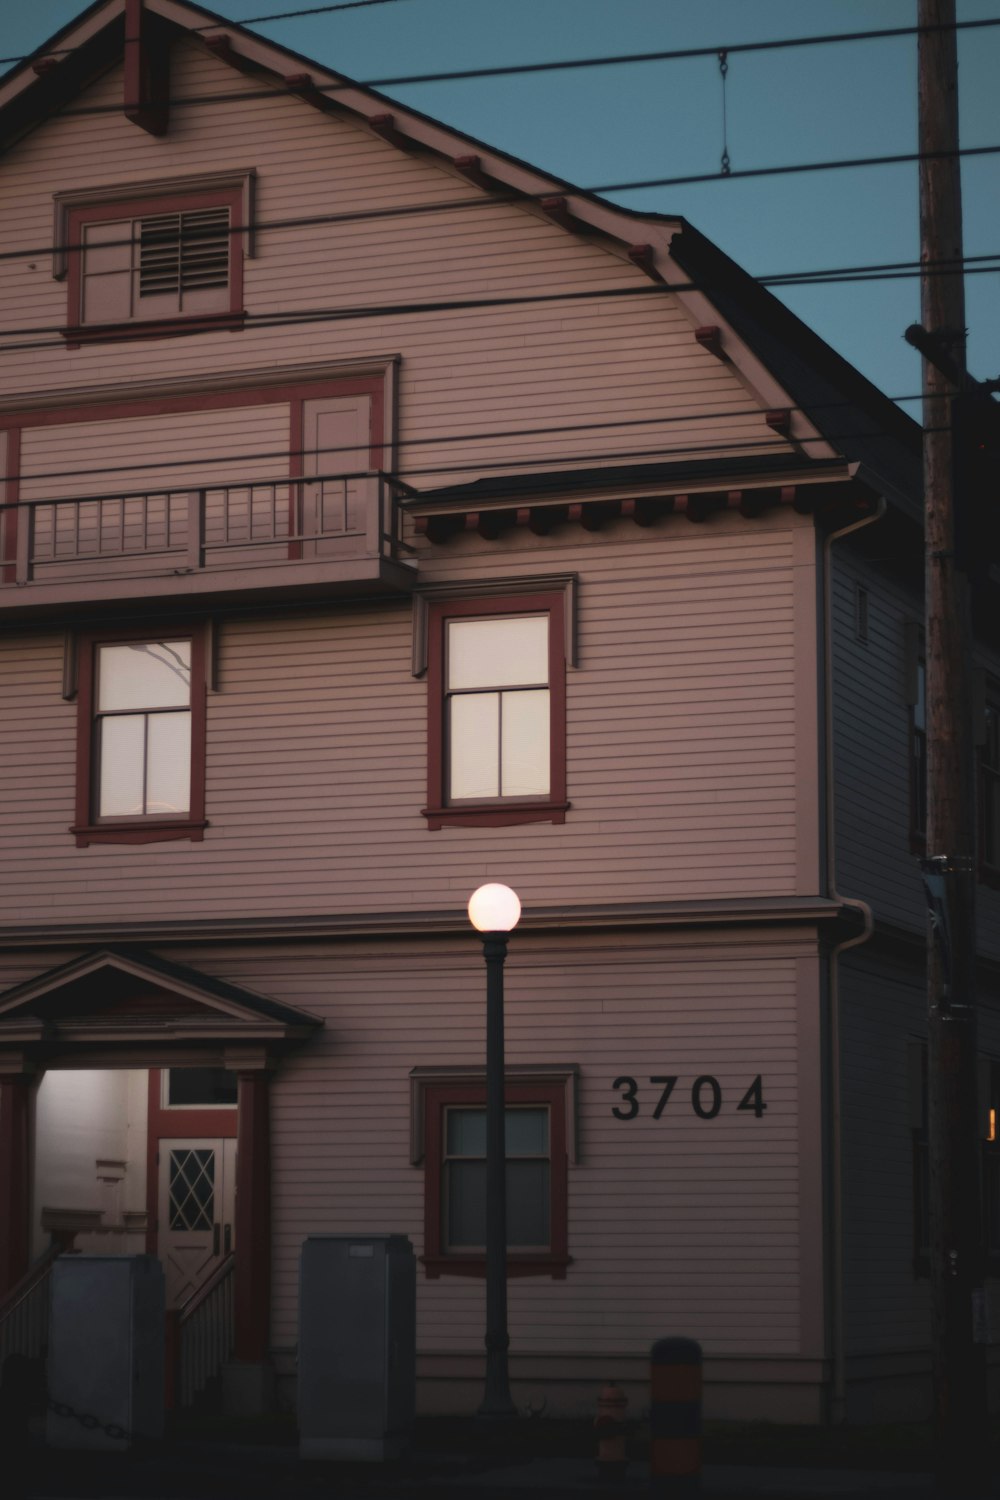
(382, 515)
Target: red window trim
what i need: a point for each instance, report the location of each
(435, 1260)
(78, 217)
(502, 813)
(146, 830)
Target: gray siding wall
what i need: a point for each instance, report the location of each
(872, 751)
(883, 1008)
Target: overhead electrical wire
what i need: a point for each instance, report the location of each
(455, 439)
(23, 340)
(675, 54)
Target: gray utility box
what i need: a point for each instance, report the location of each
(106, 1336)
(357, 1345)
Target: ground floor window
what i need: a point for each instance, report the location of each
(454, 1156)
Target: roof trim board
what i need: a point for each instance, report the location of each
(488, 170)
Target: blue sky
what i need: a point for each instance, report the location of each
(664, 119)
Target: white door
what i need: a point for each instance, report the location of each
(196, 1219)
(341, 513)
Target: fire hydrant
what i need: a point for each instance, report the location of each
(609, 1425)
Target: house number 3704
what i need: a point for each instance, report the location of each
(706, 1096)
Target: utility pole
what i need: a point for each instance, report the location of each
(956, 1242)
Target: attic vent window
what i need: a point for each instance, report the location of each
(184, 252)
(158, 263)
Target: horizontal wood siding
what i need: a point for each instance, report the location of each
(884, 1006)
(886, 1303)
(170, 451)
(675, 1225)
(464, 371)
(872, 751)
(681, 750)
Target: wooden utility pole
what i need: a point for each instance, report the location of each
(956, 1241)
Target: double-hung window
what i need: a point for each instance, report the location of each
(497, 710)
(141, 738)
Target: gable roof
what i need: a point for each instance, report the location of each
(121, 997)
(783, 363)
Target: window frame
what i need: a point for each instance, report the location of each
(437, 1097)
(147, 204)
(499, 812)
(148, 828)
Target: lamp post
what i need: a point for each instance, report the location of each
(494, 911)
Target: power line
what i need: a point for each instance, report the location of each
(315, 10)
(306, 316)
(492, 200)
(566, 64)
(455, 439)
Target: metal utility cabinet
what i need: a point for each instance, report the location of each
(357, 1346)
(106, 1357)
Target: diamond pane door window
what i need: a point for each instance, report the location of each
(196, 1211)
(497, 707)
(192, 1189)
(143, 729)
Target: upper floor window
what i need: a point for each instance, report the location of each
(141, 739)
(160, 262)
(497, 716)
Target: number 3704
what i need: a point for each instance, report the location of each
(706, 1096)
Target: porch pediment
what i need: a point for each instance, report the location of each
(130, 1005)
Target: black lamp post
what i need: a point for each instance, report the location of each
(494, 911)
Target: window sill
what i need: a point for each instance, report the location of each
(138, 833)
(475, 1265)
(155, 328)
(496, 814)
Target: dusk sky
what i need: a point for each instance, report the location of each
(602, 125)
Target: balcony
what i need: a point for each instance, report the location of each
(327, 536)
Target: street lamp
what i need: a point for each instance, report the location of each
(494, 911)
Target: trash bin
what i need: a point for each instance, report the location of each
(106, 1356)
(357, 1346)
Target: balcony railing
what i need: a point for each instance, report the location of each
(337, 518)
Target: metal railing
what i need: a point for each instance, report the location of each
(238, 524)
(24, 1313)
(206, 1332)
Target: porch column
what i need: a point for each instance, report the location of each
(15, 1101)
(252, 1290)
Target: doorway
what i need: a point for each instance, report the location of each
(196, 1211)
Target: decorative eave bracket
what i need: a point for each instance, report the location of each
(147, 70)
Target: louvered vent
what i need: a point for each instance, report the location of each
(183, 252)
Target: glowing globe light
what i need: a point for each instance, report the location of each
(494, 908)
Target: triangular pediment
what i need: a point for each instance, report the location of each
(123, 997)
(813, 404)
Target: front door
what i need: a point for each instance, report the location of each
(196, 1219)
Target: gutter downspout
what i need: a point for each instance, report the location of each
(837, 1406)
